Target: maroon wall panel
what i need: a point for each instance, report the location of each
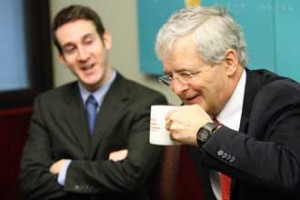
(13, 132)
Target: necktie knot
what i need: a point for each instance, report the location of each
(91, 107)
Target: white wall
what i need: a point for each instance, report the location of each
(120, 18)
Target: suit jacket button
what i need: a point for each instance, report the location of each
(77, 187)
(86, 187)
(224, 155)
(92, 188)
(220, 152)
(232, 159)
(228, 157)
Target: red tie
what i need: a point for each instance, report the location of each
(225, 186)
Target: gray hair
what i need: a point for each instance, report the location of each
(215, 32)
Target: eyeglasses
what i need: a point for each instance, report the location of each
(184, 77)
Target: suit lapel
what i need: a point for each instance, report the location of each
(76, 119)
(111, 111)
(252, 85)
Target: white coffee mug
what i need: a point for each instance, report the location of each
(158, 133)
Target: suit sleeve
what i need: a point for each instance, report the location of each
(126, 176)
(36, 181)
(269, 154)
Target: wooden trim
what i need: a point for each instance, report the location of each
(38, 47)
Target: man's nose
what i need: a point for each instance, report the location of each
(178, 87)
(82, 54)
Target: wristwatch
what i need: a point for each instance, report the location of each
(206, 131)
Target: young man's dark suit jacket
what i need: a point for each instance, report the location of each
(263, 158)
(59, 130)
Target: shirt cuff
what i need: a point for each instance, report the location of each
(62, 174)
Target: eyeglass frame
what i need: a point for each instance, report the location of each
(187, 75)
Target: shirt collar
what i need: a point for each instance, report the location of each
(100, 92)
(231, 114)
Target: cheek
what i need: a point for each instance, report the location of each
(73, 67)
(100, 55)
(70, 61)
(202, 85)
(206, 88)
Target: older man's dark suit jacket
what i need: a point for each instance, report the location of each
(263, 158)
(59, 130)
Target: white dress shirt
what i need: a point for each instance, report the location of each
(230, 117)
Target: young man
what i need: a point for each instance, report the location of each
(89, 139)
(238, 122)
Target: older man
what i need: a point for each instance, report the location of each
(242, 126)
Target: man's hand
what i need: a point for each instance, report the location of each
(184, 122)
(118, 155)
(57, 166)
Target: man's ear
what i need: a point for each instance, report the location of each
(107, 41)
(231, 61)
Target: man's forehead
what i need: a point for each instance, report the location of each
(75, 30)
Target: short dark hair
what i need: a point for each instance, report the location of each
(72, 13)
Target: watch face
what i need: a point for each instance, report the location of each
(204, 135)
(205, 132)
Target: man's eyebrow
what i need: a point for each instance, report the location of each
(88, 35)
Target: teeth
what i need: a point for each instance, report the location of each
(87, 66)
